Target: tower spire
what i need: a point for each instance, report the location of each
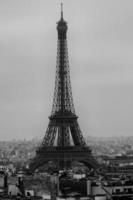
(61, 10)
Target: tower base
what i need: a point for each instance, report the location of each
(63, 157)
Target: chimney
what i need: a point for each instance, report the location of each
(5, 180)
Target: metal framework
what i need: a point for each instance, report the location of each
(63, 139)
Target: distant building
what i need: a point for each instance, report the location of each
(13, 190)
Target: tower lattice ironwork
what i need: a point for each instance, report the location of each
(63, 141)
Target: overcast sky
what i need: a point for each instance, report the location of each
(100, 44)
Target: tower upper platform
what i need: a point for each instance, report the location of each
(62, 26)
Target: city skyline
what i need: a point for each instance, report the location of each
(101, 65)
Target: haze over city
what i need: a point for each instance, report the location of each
(100, 45)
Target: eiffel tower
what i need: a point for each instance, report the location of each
(63, 142)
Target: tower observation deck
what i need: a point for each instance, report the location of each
(63, 142)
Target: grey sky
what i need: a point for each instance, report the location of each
(100, 44)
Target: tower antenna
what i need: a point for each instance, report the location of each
(61, 10)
